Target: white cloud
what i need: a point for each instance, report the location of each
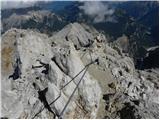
(8, 4)
(17, 4)
(98, 11)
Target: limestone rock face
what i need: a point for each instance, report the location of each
(131, 94)
(76, 34)
(36, 70)
(25, 48)
(136, 95)
(123, 43)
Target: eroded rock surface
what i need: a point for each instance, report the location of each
(43, 70)
(35, 69)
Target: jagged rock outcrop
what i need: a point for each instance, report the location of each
(42, 71)
(74, 33)
(136, 95)
(123, 43)
(133, 94)
(36, 69)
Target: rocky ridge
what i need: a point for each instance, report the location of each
(35, 68)
(41, 20)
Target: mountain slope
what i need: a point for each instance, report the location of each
(41, 20)
(132, 19)
(36, 69)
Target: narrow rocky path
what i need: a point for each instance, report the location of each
(104, 77)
